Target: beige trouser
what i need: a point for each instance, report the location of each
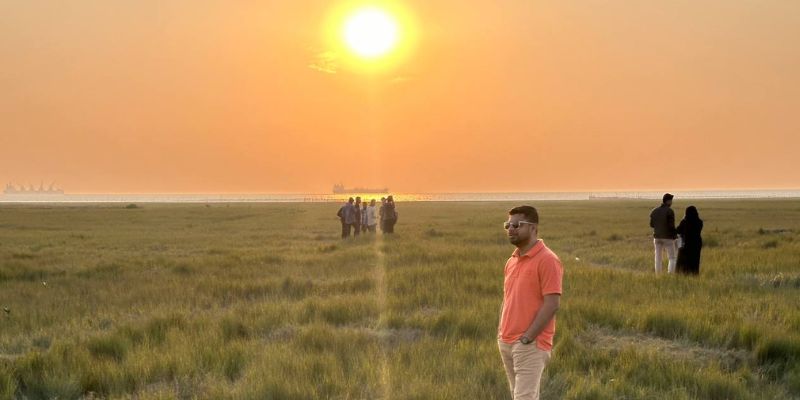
(672, 253)
(524, 364)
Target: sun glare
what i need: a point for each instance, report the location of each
(370, 32)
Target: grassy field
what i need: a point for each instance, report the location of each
(265, 301)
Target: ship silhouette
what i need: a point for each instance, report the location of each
(340, 189)
(12, 189)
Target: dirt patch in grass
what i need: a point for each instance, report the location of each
(604, 338)
(398, 336)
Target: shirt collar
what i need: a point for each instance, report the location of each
(532, 252)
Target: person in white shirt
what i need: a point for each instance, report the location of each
(371, 217)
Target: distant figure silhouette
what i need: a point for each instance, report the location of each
(357, 222)
(689, 253)
(364, 222)
(347, 215)
(371, 216)
(662, 220)
(381, 210)
(389, 215)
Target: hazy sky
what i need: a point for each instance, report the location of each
(255, 96)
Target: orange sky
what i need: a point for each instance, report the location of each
(229, 96)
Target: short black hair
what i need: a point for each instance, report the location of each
(530, 213)
(667, 196)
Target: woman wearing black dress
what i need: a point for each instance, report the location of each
(689, 254)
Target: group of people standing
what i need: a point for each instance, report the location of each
(361, 218)
(682, 243)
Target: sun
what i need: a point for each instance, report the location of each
(370, 32)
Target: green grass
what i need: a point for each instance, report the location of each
(264, 301)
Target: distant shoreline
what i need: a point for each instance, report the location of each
(403, 197)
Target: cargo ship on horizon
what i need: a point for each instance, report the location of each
(340, 189)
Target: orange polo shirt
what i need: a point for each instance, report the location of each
(527, 280)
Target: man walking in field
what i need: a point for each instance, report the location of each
(531, 297)
(347, 215)
(662, 220)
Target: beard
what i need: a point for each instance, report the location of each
(515, 240)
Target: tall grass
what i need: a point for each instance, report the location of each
(264, 301)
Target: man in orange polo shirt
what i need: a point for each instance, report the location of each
(531, 296)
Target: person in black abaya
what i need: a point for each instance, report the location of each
(689, 254)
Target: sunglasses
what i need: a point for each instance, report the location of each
(516, 225)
